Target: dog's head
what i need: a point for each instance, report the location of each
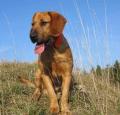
(46, 25)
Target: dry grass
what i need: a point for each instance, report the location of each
(91, 96)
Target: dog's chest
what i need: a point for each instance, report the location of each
(53, 62)
(58, 64)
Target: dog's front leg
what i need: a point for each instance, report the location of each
(54, 107)
(65, 92)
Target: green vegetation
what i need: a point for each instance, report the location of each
(95, 93)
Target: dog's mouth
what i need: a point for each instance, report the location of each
(39, 48)
(41, 45)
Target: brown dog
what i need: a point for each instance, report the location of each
(55, 59)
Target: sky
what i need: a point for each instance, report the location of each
(92, 29)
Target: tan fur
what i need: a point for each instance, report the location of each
(52, 63)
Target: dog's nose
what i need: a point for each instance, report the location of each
(33, 34)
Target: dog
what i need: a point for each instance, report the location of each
(55, 60)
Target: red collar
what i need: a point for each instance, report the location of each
(59, 41)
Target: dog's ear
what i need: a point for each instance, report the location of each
(57, 23)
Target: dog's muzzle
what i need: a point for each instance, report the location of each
(35, 39)
(33, 36)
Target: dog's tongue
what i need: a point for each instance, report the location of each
(39, 49)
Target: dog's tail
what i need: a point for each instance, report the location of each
(26, 82)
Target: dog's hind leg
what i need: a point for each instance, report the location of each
(26, 82)
(38, 84)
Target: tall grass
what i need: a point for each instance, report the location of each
(86, 99)
(90, 96)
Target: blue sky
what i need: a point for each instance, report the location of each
(92, 29)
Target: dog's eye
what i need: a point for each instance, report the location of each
(43, 23)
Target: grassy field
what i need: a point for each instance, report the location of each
(90, 96)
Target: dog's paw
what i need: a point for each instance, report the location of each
(54, 108)
(65, 109)
(36, 95)
(66, 113)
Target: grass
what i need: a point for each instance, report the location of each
(91, 95)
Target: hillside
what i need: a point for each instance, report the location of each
(90, 96)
